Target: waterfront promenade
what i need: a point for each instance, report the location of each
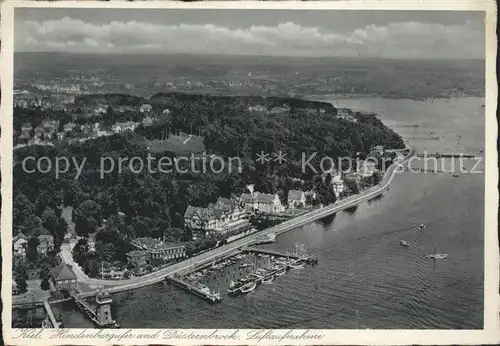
(113, 286)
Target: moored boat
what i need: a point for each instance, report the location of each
(437, 255)
(281, 271)
(268, 279)
(297, 265)
(248, 287)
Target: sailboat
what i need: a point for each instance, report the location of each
(270, 276)
(436, 255)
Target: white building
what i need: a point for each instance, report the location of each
(263, 203)
(226, 215)
(296, 198)
(124, 126)
(19, 243)
(366, 168)
(145, 108)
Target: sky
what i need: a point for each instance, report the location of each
(301, 33)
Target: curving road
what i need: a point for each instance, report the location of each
(233, 247)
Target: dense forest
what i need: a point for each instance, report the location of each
(153, 203)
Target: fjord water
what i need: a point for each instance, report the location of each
(365, 278)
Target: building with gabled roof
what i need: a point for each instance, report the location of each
(45, 244)
(223, 216)
(64, 278)
(19, 244)
(296, 198)
(264, 203)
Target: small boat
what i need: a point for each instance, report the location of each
(248, 287)
(455, 175)
(233, 289)
(421, 227)
(297, 265)
(404, 243)
(268, 279)
(436, 255)
(281, 271)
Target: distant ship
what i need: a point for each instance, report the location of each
(404, 243)
(436, 255)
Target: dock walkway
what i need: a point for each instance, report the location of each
(209, 296)
(270, 253)
(56, 324)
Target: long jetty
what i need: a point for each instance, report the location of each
(270, 253)
(209, 296)
(55, 323)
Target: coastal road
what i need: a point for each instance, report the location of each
(233, 247)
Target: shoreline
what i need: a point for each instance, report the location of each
(114, 286)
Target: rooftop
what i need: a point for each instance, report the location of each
(136, 253)
(148, 243)
(63, 272)
(295, 194)
(258, 197)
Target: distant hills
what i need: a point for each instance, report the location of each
(415, 79)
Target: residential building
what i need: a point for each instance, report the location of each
(145, 108)
(262, 203)
(26, 127)
(69, 127)
(159, 251)
(101, 109)
(124, 126)
(50, 126)
(91, 242)
(278, 110)
(197, 218)
(45, 244)
(378, 149)
(226, 215)
(366, 168)
(39, 131)
(15, 290)
(257, 108)
(147, 121)
(337, 181)
(19, 243)
(296, 198)
(64, 278)
(138, 258)
(310, 196)
(25, 136)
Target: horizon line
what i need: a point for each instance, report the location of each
(255, 55)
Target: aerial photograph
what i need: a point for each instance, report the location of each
(248, 168)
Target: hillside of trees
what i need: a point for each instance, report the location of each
(153, 202)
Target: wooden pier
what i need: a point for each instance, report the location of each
(270, 253)
(55, 323)
(209, 296)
